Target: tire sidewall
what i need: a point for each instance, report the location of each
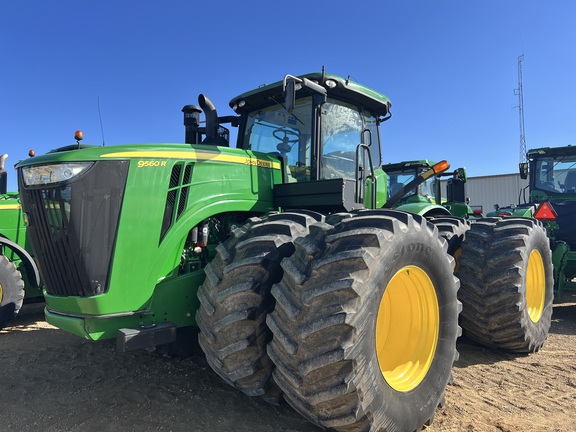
(12, 291)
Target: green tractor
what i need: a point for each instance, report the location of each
(281, 250)
(426, 199)
(552, 199)
(19, 276)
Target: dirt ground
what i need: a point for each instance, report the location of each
(53, 381)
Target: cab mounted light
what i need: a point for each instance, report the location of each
(331, 83)
(436, 169)
(49, 174)
(440, 167)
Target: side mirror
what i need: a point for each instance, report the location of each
(523, 167)
(460, 174)
(289, 87)
(290, 94)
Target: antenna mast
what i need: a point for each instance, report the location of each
(101, 127)
(518, 92)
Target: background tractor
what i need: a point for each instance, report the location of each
(19, 277)
(281, 250)
(551, 197)
(426, 199)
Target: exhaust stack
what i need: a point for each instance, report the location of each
(211, 120)
(3, 175)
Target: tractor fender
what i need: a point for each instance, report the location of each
(424, 209)
(526, 212)
(29, 263)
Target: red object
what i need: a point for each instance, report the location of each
(545, 212)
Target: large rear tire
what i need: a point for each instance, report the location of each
(11, 291)
(235, 299)
(506, 275)
(366, 322)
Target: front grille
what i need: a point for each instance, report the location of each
(72, 228)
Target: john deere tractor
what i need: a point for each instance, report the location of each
(426, 199)
(280, 249)
(19, 277)
(551, 198)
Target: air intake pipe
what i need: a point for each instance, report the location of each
(192, 124)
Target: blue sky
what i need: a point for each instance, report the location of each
(449, 67)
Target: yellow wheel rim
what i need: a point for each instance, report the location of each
(407, 328)
(535, 286)
(1, 294)
(457, 259)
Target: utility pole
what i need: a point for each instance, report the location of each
(518, 92)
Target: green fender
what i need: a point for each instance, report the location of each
(508, 211)
(29, 264)
(424, 209)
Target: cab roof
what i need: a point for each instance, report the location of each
(552, 151)
(397, 166)
(343, 89)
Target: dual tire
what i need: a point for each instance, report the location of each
(357, 325)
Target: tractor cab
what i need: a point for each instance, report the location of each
(324, 131)
(552, 173)
(552, 180)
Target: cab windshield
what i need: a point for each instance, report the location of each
(290, 135)
(398, 179)
(556, 175)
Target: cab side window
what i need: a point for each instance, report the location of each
(342, 127)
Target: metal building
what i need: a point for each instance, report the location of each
(486, 191)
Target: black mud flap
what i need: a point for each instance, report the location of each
(145, 337)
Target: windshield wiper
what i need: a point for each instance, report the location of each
(285, 109)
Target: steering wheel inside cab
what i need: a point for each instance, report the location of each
(287, 140)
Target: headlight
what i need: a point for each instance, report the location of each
(48, 174)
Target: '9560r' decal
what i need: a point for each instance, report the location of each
(151, 163)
